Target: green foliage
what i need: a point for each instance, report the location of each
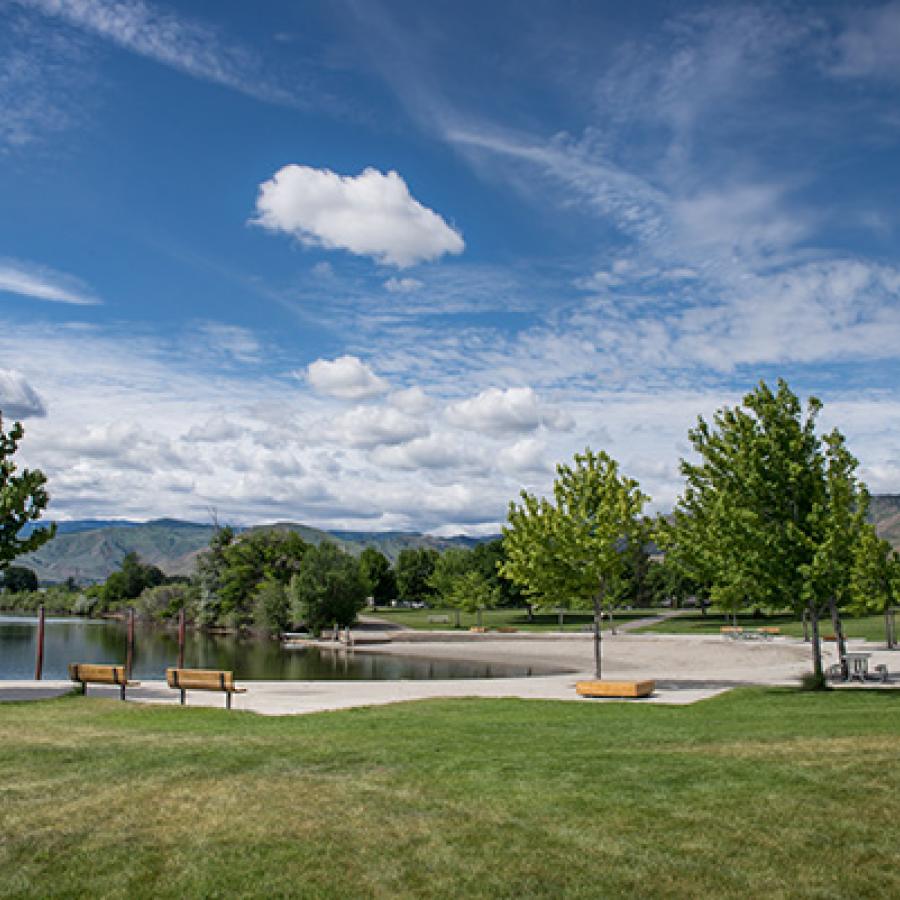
(130, 581)
(772, 515)
(471, 591)
(415, 567)
(211, 566)
(271, 606)
(329, 588)
(875, 574)
(251, 559)
(488, 558)
(569, 551)
(376, 569)
(22, 500)
(163, 601)
(15, 579)
(449, 567)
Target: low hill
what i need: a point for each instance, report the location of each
(884, 511)
(88, 550)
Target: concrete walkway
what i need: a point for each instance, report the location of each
(686, 668)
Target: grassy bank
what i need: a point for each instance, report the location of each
(542, 620)
(869, 627)
(738, 796)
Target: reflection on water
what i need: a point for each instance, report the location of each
(103, 641)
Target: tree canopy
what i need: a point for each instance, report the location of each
(570, 550)
(23, 499)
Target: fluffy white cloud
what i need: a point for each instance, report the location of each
(497, 411)
(41, 283)
(18, 399)
(346, 377)
(372, 214)
(372, 426)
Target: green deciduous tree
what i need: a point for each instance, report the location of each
(23, 499)
(129, 580)
(271, 606)
(569, 550)
(876, 580)
(414, 568)
(329, 588)
(771, 512)
(379, 574)
(472, 592)
(15, 579)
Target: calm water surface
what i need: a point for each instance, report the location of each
(70, 640)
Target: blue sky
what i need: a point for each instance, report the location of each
(381, 265)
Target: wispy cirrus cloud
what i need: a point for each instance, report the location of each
(42, 283)
(188, 45)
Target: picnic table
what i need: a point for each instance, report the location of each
(857, 665)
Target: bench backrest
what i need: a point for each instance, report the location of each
(200, 679)
(97, 674)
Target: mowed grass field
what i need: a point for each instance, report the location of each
(869, 627)
(542, 620)
(756, 793)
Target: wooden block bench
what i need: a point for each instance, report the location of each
(731, 631)
(770, 630)
(614, 688)
(91, 673)
(203, 680)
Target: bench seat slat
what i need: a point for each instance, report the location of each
(615, 688)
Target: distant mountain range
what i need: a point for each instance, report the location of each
(89, 549)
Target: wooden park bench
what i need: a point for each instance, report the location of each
(769, 631)
(732, 631)
(91, 673)
(203, 680)
(614, 688)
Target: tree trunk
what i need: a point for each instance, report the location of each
(530, 613)
(560, 614)
(478, 616)
(456, 614)
(816, 646)
(612, 621)
(598, 672)
(806, 625)
(838, 635)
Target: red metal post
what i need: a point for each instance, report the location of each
(39, 661)
(129, 649)
(181, 638)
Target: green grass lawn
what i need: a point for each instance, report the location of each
(755, 793)
(504, 618)
(869, 627)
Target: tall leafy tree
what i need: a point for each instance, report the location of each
(211, 566)
(378, 572)
(23, 499)
(328, 588)
(571, 548)
(16, 579)
(876, 580)
(761, 517)
(472, 592)
(414, 568)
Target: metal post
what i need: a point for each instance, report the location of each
(181, 638)
(39, 661)
(129, 646)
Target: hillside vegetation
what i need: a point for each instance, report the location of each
(90, 554)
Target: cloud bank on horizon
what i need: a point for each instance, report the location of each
(660, 207)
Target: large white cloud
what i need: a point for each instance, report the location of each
(372, 214)
(346, 377)
(513, 410)
(18, 399)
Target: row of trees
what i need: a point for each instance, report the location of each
(773, 516)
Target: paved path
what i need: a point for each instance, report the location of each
(635, 624)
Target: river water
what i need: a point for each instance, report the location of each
(70, 640)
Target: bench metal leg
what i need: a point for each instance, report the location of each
(227, 699)
(122, 692)
(83, 688)
(182, 696)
